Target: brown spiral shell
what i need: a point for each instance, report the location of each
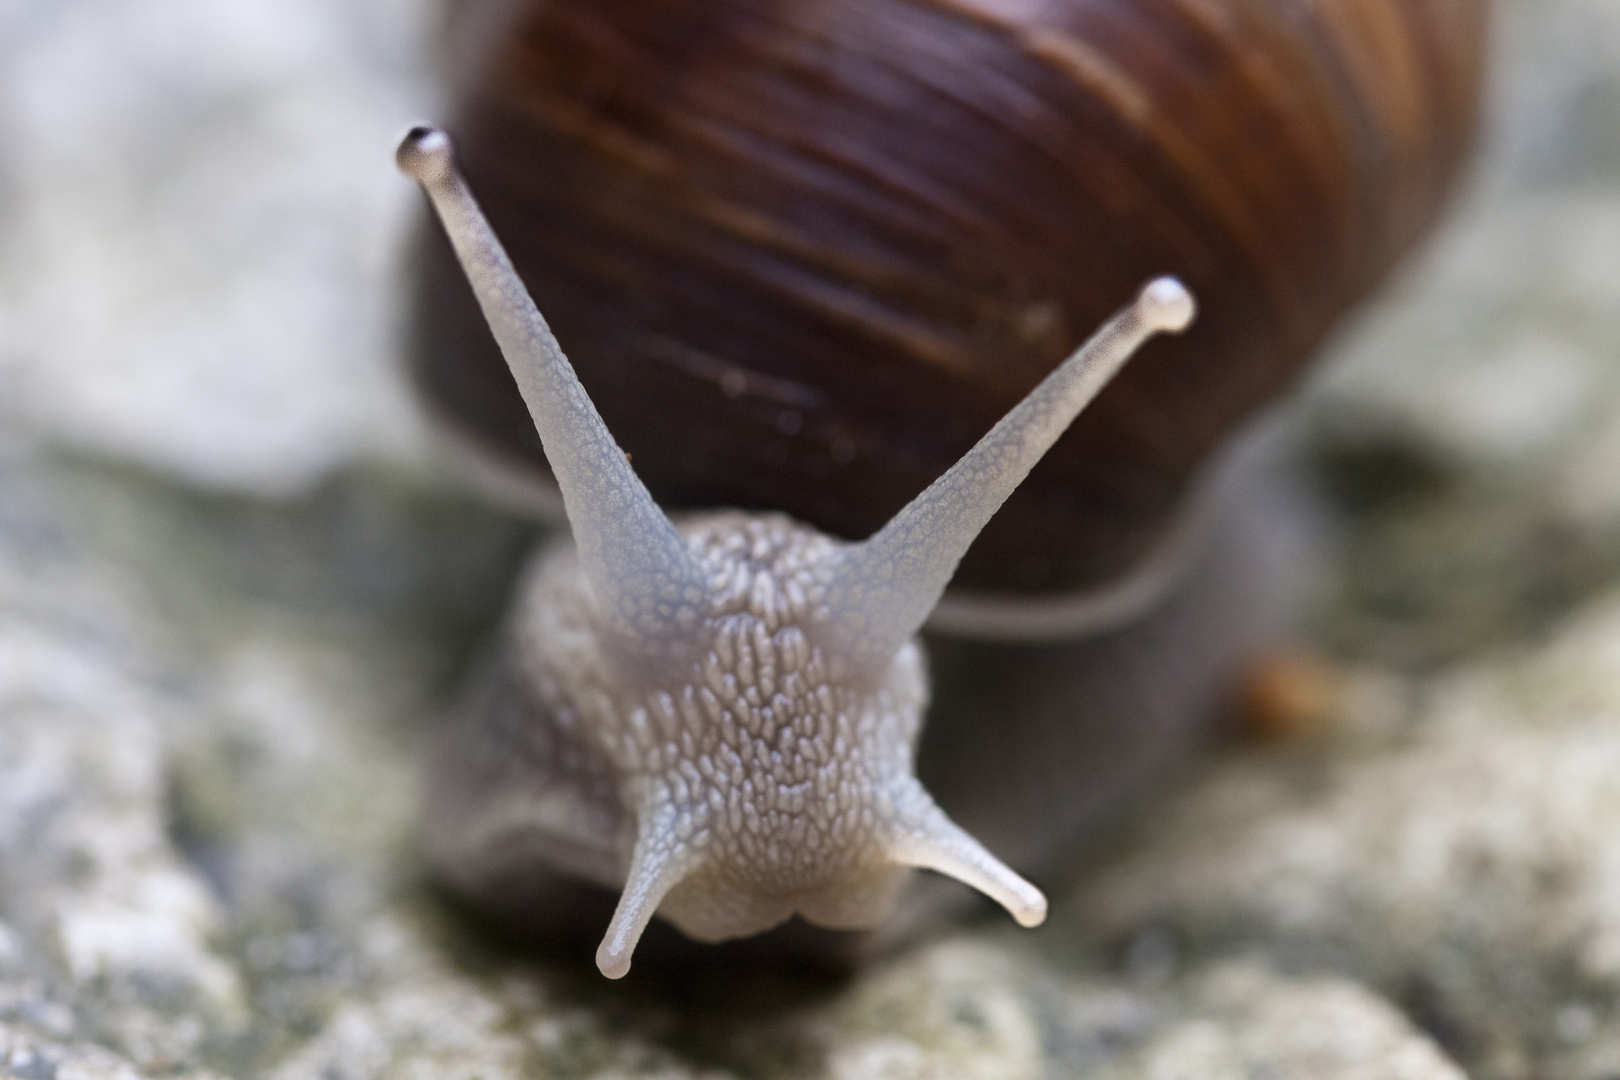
(803, 254)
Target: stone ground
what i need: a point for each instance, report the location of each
(231, 587)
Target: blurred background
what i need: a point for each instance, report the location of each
(232, 579)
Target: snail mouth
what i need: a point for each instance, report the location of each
(710, 906)
(711, 901)
(859, 901)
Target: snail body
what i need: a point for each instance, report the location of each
(805, 256)
(745, 691)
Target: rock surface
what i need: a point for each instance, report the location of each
(197, 239)
(230, 594)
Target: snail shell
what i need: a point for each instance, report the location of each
(805, 254)
(804, 257)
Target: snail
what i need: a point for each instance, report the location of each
(745, 689)
(804, 256)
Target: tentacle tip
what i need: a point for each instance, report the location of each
(1031, 910)
(1166, 305)
(424, 154)
(611, 963)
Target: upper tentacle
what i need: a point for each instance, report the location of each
(881, 590)
(646, 581)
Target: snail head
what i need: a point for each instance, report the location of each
(753, 688)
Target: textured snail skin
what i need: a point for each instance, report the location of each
(804, 254)
(1033, 749)
(722, 716)
(764, 783)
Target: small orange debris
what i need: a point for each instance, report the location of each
(1286, 693)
